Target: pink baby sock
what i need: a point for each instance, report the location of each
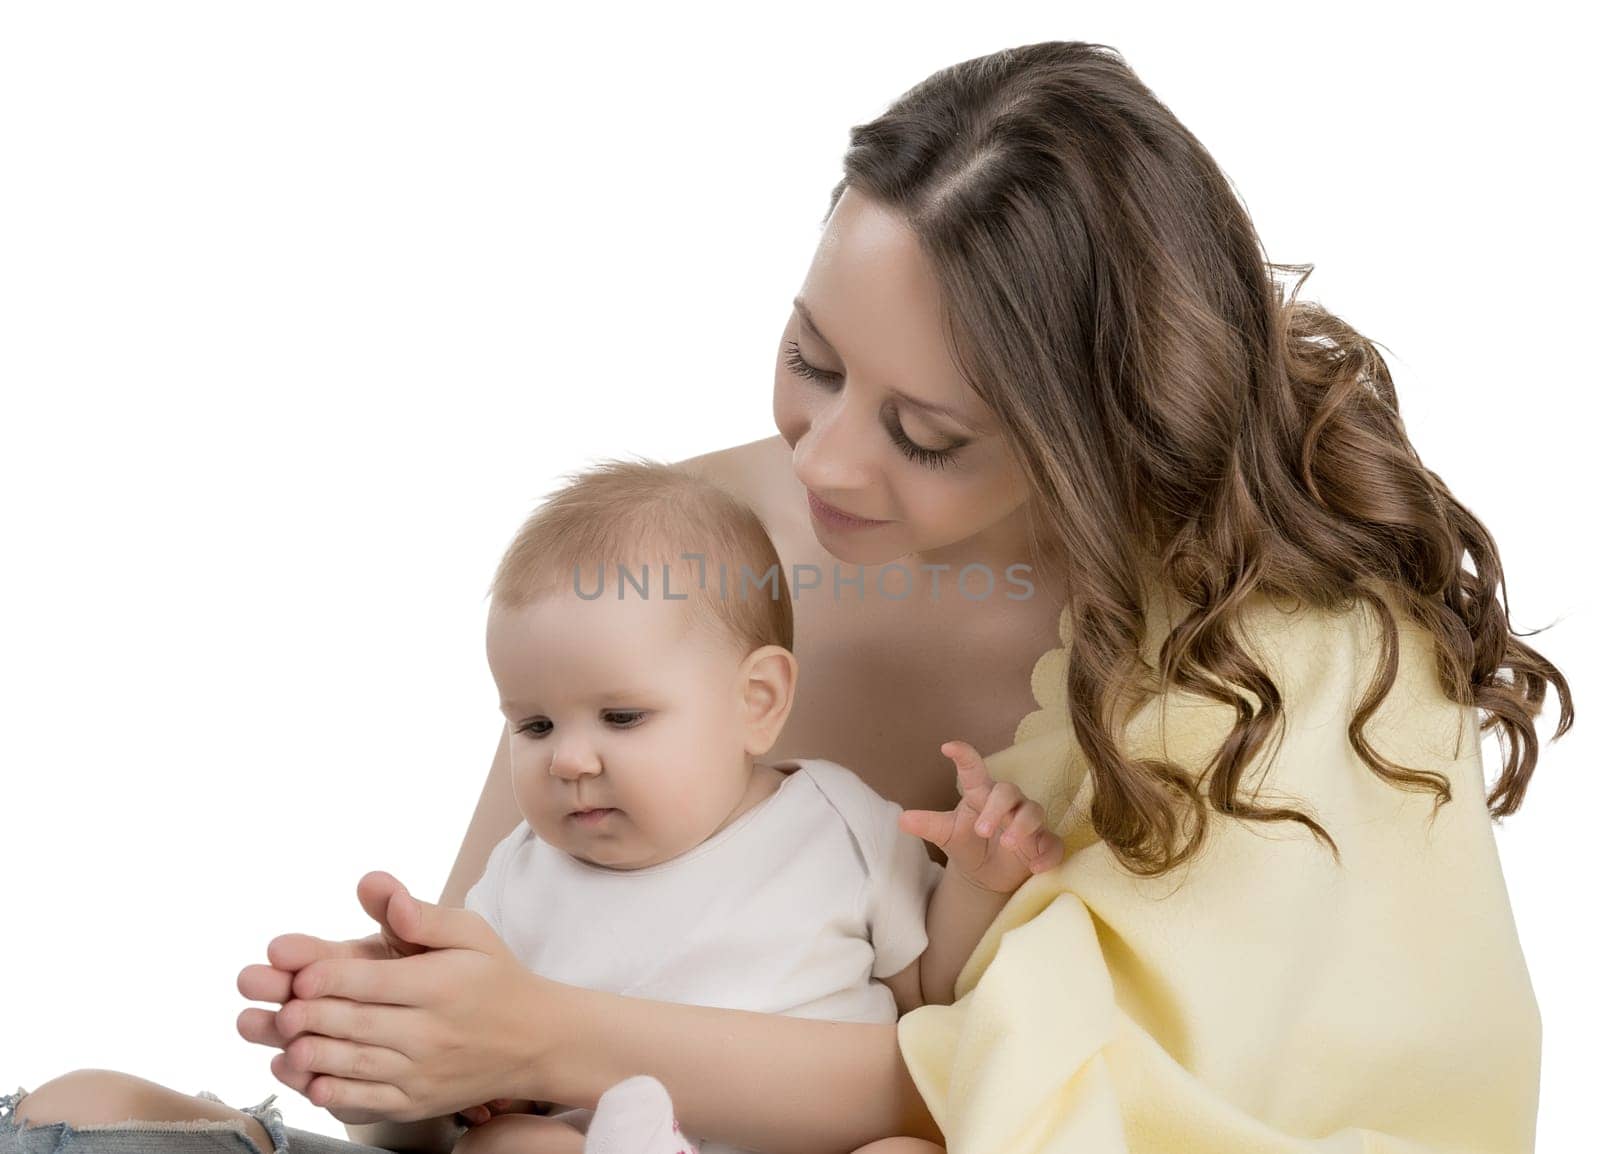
(635, 1117)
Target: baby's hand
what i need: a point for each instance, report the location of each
(478, 1115)
(995, 837)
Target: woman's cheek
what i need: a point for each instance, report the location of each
(792, 405)
(788, 410)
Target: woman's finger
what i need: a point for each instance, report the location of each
(261, 1027)
(381, 1098)
(293, 952)
(391, 981)
(342, 1058)
(393, 1027)
(376, 892)
(265, 983)
(435, 927)
(296, 1079)
(1003, 798)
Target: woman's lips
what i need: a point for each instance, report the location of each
(837, 517)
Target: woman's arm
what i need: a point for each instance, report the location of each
(495, 817)
(764, 1081)
(785, 1084)
(768, 1082)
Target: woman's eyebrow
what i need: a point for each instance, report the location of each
(927, 406)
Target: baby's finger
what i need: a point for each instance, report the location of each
(1033, 841)
(1003, 798)
(930, 825)
(1046, 852)
(972, 776)
(1025, 821)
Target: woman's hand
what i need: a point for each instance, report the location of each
(415, 1021)
(290, 953)
(995, 837)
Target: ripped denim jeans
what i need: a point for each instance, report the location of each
(138, 1137)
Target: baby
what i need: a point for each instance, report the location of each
(656, 856)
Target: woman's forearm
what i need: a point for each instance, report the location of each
(769, 1082)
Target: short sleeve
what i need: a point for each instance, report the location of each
(901, 879)
(484, 896)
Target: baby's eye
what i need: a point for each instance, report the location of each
(617, 718)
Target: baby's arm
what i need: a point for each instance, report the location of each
(993, 841)
(958, 915)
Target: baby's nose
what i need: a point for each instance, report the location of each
(573, 760)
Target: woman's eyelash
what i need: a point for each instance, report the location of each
(527, 726)
(932, 458)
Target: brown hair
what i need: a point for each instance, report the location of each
(643, 515)
(1107, 296)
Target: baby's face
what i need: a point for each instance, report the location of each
(625, 708)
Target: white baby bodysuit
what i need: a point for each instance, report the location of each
(793, 908)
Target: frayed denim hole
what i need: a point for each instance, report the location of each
(271, 1119)
(11, 1124)
(264, 1112)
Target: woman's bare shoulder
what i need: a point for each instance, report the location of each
(740, 468)
(756, 472)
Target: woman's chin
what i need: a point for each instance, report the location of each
(853, 553)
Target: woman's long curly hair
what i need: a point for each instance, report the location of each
(1109, 299)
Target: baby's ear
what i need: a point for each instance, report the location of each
(770, 676)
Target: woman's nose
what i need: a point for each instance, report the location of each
(834, 454)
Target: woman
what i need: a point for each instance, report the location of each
(1039, 329)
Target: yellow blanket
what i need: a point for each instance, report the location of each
(1260, 998)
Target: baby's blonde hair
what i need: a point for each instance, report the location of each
(645, 515)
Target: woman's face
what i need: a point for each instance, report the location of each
(881, 423)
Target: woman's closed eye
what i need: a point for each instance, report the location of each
(616, 718)
(932, 458)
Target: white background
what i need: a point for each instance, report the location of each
(303, 306)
